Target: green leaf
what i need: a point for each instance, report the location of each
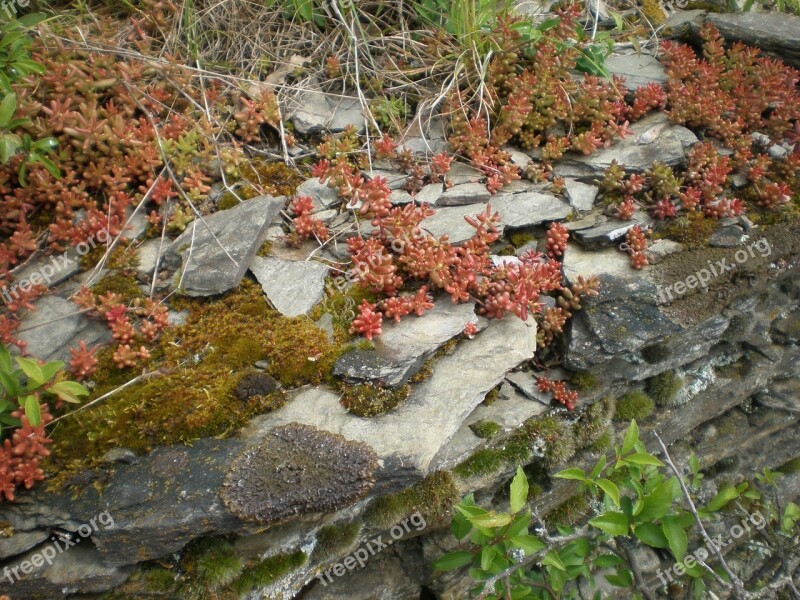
(519, 491)
(657, 503)
(610, 488)
(8, 106)
(460, 526)
(613, 523)
(520, 524)
(68, 391)
(529, 543)
(9, 145)
(47, 144)
(722, 498)
(631, 437)
(605, 561)
(623, 578)
(488, 555)
(10, 385)
(32, 410)
(643, 458)
(554, 560)
(5, 359)
(31, 19)
(48, 164)
(651, 534)
(31, 369)
(490, 520)
(598, 468)
(51, 368)
(452, 560)
(676, 537)
(572, 473)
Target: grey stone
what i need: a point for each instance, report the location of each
(461, 173)
(322, 195)
(216, 254)
(727, 237)
(293, 287)
(79, 570)
(430, 193)
(44, 270)
(612, 230)
(346, 111)
(394, 179)
(400, 197)
(465, 193)
(581, 195)
(21, 541)
(525, 382)
(518, 157)
(149, 255)
(637, 69)
(775, 32)
(313, 112)
(402, 348)
(660, 249)
(136, 225)
(56, 326)
(410, 436)
(529, 208)
(652, 139)
(426, 134)
(451, 221)
(787, 329)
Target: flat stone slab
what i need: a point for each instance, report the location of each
(216, 253)
(581, 195)
(772, 31)
(637, 69)
(293, 287)
(409, 437)
(611, 231)
(465, 193)
(652, 139)
(402, 348)
(527, 209)
(315, 111)
(322, 195)
(55, 326)
(450, 220)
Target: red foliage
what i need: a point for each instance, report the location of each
(559, 390)
(557, 237)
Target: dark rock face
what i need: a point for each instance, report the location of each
(778, 33)
(297, 469)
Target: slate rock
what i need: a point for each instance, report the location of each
(216, 253)
(638, 69)
(653, 138)
(581, 195)
(774, 32)
(293, 287)
(612, 230)
(315, 111)
(450, 220)
(409, 437)
(727, 237)
(529, 208)
(402, 348)
(55, 326)
(525, 382)
(322, 195)
(465, 193)
(429, 193)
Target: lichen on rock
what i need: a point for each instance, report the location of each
(297, 469)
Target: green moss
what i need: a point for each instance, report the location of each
(655, 353)
(480, 462)
(268, 571)
(558, 438)
(603, 443)
(583, 380)
(594, 422)
(664, 388)
(486, 429)
(570, 512)
(333, 540)
(634, 405)
(491, 396)
(790, 466)
(158, 580)
(520, 238)
(228, 200)
(692, 230)
(434, 498)
(215, 564)
(266, 249)
(367, 400)
(269, 177)
(121, 282)
(199, 365)
(342, 304)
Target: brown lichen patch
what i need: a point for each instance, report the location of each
(269, 177)
(297, 469)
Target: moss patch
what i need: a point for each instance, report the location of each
(335, 539)
(583, 381)
(790, 466)
(434, 498)
(570, 512)
(693, 230)
(200, 364)
(269, 177)
(634, 405)
(486, 429)
(366, 400)
(594, 422)
(664, 388)
(122, 282)
(268, 571)
(480, 462)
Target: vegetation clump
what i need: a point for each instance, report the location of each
(332, 540)
(634, 405)
(434, 498)
(367, 400)
(664, 387)
(486, 429)
(268, 571)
